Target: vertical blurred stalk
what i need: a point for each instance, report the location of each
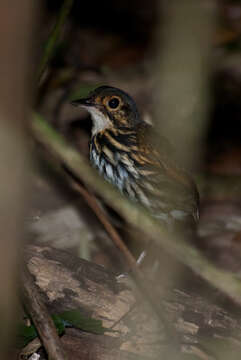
(54, 36)
(182, 96)
(16, 29)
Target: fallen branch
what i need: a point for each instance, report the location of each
(207, 331)
(39, 314)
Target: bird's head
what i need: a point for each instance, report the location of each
(110, 107)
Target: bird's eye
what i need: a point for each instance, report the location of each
(114, 103)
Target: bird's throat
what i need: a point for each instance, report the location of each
(100, 120)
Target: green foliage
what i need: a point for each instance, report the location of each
(76, 319)
(59, 324)
(83, 91)
(25, 334)
(72, 318)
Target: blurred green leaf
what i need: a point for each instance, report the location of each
(76, 319)
(59, 324)
(25, 334)
(83, 91)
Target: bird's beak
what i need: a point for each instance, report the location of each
(86, 102)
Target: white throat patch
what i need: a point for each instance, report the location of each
(100, 122)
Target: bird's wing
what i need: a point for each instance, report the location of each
(170, 190)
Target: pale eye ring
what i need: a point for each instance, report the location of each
(114, 103)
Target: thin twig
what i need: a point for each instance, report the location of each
(93, 204)
(40, 316)
(54, 35)
(144, 286)
(182, 250)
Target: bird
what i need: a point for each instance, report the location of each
(127, 153)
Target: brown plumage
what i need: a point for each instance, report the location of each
(125, 151)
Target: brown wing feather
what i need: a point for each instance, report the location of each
(171, 189)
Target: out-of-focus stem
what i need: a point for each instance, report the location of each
(182, 69)
(54, 36)
(16, 29)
